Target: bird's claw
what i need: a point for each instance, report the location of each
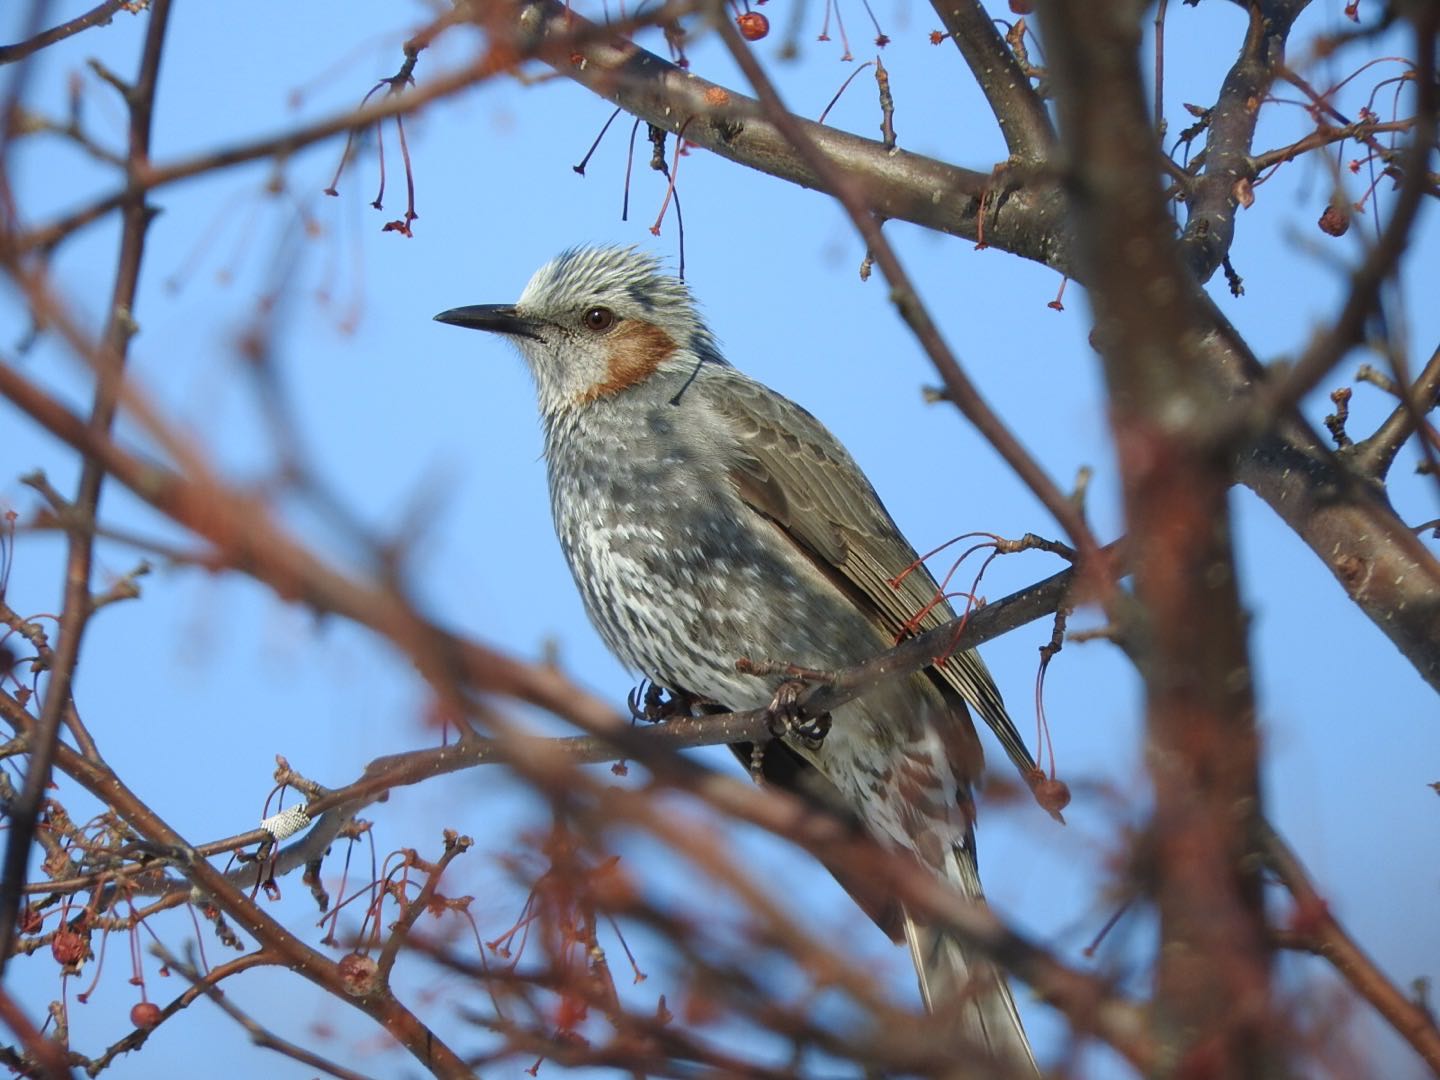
(787, 718)
(653, 704)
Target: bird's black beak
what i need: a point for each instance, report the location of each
(497, 318)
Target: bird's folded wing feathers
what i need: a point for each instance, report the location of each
(795, 473)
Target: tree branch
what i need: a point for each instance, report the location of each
(1317, 930)
(1212, 990)
(1210, 227)
(960, 390)
(78, 603)
(1353, 531)
(1373, 456)
(1025, 216)
(99, 15)
(1017, 107)
(1345, 519)
(1329, 347)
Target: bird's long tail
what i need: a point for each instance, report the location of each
(958, 983)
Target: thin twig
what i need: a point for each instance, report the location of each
(1374, 455)
(1319, 931)
(259, 1034)
(99, 15)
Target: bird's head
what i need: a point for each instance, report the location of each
(594, 322)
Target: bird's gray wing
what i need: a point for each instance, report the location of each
(794, 472)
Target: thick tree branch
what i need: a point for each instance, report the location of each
(1210, 228)
(1344, 518)
(1212, 993)
(1024, 215)
(1017, 107)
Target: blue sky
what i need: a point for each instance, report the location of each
(192, 691)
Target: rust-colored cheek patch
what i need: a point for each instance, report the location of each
(636, 350)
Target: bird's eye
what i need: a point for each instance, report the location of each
(598, 319)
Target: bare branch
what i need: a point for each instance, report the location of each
(78, 603)
(1329, 347)
(1316, 929)
(259, 1034)
(1026, 217)
(1017, 107)
(960, 390)
(1373, 456)
(1212, 987)
(99, 15)
(1212, 201)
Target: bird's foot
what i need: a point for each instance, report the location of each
(654, 704)
(787, 717)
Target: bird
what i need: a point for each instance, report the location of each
(707, 518)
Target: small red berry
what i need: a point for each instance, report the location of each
(753, 25)
(1335, 220)
(145, 1015)
(68, 948)
(1052, 795)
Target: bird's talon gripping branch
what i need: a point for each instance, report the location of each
(788, 719)
(655, 704)
(812, 732)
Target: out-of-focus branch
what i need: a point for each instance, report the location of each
(1210, 228)
(1314, 928)
(284, 947)
(1018, 109)
(1212, 987)
(47, 1055)
(78, 603)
